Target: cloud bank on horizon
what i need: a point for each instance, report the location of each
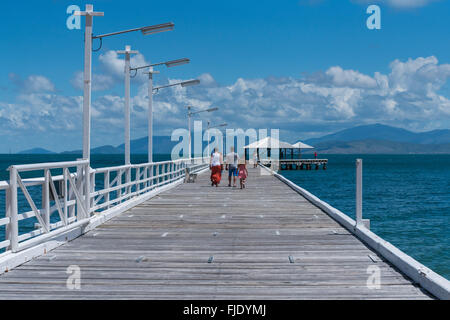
(399, 4)
(318, 103)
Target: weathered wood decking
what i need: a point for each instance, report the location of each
(161, 249)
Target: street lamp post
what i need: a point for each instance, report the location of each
(88, 37)
(190, 114)
(207, 130)
(150, 114)
(171, 63)
(182, 84)
(127, 52)
(89, 14)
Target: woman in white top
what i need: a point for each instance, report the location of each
(255, 159)
(216, 167)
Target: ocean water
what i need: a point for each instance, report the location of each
(406, 197)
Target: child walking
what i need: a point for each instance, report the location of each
(243, 173)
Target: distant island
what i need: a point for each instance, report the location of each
(382, 139)
(37, 151)
(368, 139)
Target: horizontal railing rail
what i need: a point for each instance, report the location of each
(69, 194)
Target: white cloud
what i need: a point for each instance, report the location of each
(399, 4)
(408, 96)
(421, 75)
(36, 83)
(113, 64)
(350, 78)
(111, 71)
(100, 82)
(32, 84)
(409, 3)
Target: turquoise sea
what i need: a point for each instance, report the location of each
(406, 197)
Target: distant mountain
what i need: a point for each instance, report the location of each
(107, 149)
(374, 146)
(375, 138)
(386, 133)
(161, 145)
(36, 151)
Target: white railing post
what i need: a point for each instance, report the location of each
(66, 194)
(359, 220)
(12, 229)
(144, 177)
(71, 193)
(166, 172)
(80, 187)
(128, 180)
(106, 187)
(119, 183)
(87, 189)
(150, 175)
(138, 177)
(92, 186)
(46, 199)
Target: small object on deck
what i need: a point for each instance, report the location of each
(211, 259)
(164, 234)
(190, 177)
(140, 259)
(373, 258)
(277, 233)
(215, 234)
(291, 259)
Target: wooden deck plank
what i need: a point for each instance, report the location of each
(160, 250)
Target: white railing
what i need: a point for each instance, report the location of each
(70, 197)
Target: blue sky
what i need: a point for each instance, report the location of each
(307, 67)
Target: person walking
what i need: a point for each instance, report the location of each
(255, 159)
(243, 173)
(216, 167)
(231, 165)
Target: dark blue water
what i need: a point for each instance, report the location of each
(406, 198)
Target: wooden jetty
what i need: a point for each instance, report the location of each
(296, 164)
(194, 241)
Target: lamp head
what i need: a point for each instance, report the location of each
(178, 62)
(190, 83)
(157, 28)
